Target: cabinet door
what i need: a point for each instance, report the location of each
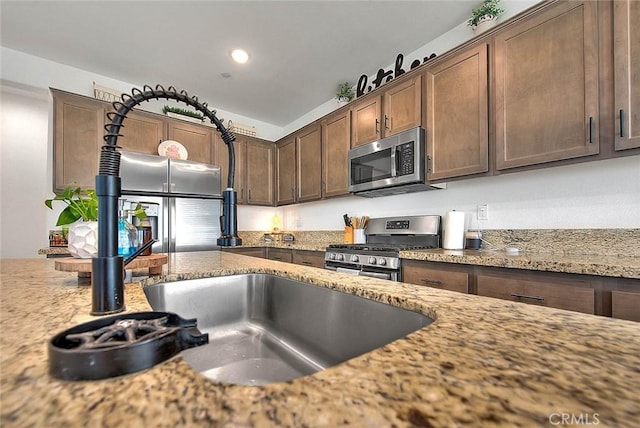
(626, 21)
(457, 115)
(79, 128)
(259, 172)
(280, 254)
(142, 133)
(198, 140)
(546, 80)
(561, 294)
(421, 273)
(286, 171)
(336, 140)
(222, 160)
(365, 125)
(625, 305)
(308, 258)
(403, 106)
(309, 163)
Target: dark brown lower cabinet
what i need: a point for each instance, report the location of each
(441, 276)
(625, 305)
(570, 294)
(308, 258)
(590, 294)
(247, 251)
(279, 254)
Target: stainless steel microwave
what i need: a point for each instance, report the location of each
(390, 166)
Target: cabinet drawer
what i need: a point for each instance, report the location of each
(436, 278)
(252, 252)
(556, 294)
(279, 254)
(625, 305)
(309, 258)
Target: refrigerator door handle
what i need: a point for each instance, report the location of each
(171, 204)
(165, 187)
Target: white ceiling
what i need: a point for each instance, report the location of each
(299, 50)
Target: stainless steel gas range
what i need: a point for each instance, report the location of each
(385, 238)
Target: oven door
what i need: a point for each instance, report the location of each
(388, 274)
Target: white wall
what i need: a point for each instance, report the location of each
(25, 173)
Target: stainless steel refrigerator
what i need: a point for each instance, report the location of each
(188, 197)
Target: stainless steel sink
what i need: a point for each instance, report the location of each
(264, 328)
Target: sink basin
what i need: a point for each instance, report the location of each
(265, 328)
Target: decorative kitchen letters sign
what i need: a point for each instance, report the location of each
(385, 76)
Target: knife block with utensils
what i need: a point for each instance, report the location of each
(348, 234)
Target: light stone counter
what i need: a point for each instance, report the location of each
(483, 362)
(587, 264)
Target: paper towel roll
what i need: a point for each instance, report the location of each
(453, 230)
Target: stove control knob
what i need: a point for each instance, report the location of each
(332, 256)
(382, 262)
(340, 257)
(372, 260)
(354, 258)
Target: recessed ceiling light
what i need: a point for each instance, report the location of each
(240, 56)
(225, 75)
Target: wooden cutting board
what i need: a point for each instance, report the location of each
(83, 266)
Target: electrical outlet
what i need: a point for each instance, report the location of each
(483, 212)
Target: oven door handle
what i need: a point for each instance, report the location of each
(359, 272)
(376, 274)
(346, 270)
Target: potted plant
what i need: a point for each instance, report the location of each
(345, 93)
(81, 217)
(81, 205)
(485, 17)
(184, 114)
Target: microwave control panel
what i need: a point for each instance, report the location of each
(405, 158)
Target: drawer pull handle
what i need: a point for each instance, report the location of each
(304, 262)
(621, 123)
(432, 281)
(590, 130)
(524, 296)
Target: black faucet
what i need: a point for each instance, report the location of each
(108, 267)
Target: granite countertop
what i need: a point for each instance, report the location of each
(597, 261)
(483, 362)
(587, 264)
